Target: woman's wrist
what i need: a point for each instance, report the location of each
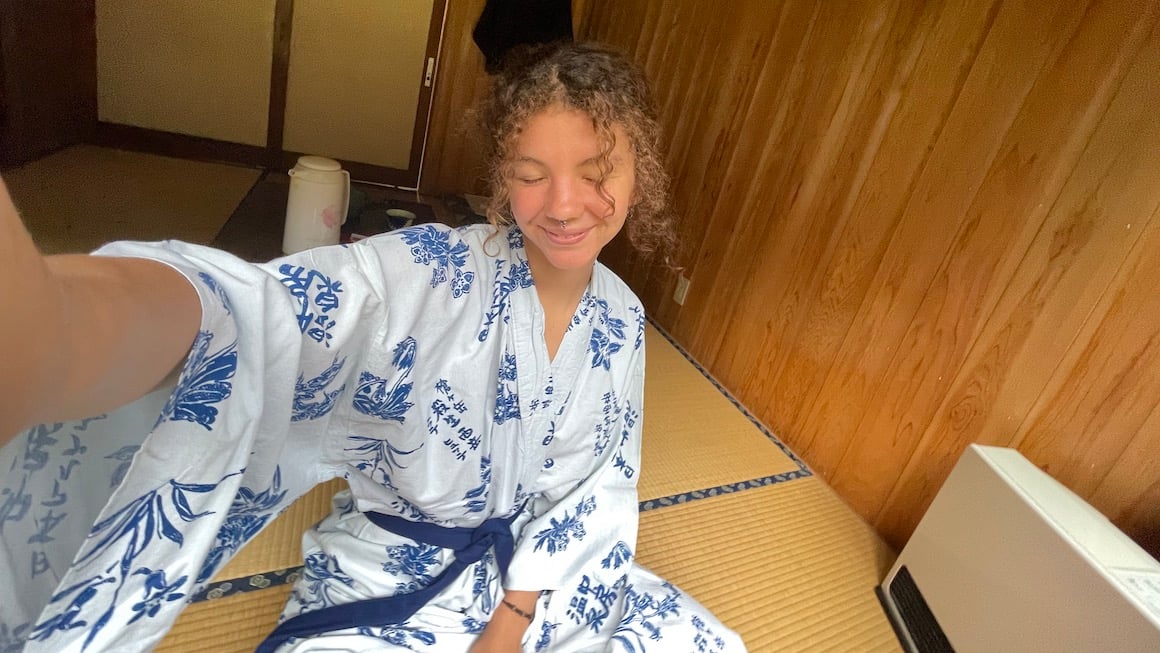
(524, 600)
(524, 614)
(516, 608)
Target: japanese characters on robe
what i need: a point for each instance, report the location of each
(413, 365)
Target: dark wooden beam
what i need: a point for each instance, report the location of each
(279, 74)
(48, 77)
(182, 146)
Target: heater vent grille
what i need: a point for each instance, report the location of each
(916, 616)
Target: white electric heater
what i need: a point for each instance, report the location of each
(1008, 559)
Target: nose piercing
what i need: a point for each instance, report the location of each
(563, 224)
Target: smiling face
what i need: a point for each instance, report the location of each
(553, 177)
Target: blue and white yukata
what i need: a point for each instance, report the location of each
(413, 365)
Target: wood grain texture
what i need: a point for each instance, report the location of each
(1039, 154)
(894, 161)
(1054, 301)
(905, 225)
(1130, 492)
(915, 246)
(1113, 389)
(452, 160)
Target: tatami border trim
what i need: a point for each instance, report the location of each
(264, 580)
(722, 490)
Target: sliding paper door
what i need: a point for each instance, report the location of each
(356, 76)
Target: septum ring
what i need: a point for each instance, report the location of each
(563, 224)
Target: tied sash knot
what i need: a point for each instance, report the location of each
(469, 545)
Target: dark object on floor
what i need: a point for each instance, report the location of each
(462, 211)
(378, 219)
(387, 215)
(505, 24)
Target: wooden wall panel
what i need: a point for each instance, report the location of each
(452, 162)
(1113, 389)
(1039, 153)
(1130, 492)
(905, 225)
(817, 208)
(1052, 304)
(913, 242)
(897, 174)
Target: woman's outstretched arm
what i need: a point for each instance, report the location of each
(81, 335)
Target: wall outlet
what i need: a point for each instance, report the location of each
(682, 290)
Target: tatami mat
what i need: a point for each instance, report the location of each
(82, 197)
(789, 566)
(235, 624)
(694, 437)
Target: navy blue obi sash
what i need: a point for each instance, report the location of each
(469, 544)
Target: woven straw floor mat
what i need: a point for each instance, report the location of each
(82, 197)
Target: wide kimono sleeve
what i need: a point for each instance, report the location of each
(587, 530)
(145, 504)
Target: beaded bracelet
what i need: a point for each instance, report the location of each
(511, 606)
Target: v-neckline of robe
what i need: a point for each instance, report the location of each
(537, 348)
(536, 371)
(565, 352)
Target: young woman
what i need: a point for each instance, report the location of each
(480, 389)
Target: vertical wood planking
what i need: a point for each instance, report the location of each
(810, 95)
(923, 82)
(802, 253)
(1040, 152)
(1130, 492)
(646, 30)
(581, 14)
(756, 156)
(1113, 389)
(1048, 311)
(901, 223)
(739, 46)
(767, 299)
(976, 132)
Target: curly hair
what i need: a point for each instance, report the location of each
(611, 89)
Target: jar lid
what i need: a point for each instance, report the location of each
(319, 163)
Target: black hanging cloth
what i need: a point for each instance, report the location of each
(505, 24)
